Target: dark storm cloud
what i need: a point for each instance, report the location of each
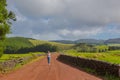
(65, 19)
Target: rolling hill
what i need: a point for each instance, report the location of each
(113, 41)
(64, 41)
(14, 44)
(61, 46)
(17, 42)
(90, 41)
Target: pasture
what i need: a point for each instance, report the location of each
(109, 56)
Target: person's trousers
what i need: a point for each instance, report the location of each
(48, 60)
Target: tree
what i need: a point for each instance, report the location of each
(5, 21)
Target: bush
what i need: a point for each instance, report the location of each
(45, 47)
(114, 47)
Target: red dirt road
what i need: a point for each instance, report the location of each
(40, 70)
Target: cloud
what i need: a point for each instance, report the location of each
(114, 29)
(87, 11)
(65, 19)
(40, 8)
(78, 34)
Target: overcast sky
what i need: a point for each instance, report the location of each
(66, 19)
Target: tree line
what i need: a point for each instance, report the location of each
(84, 47)
(40, 48)
(114, 47)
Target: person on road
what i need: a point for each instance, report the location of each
(49, 57)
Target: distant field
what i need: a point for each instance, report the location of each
(110, 56)
(9, 56)
(114, 45)
(102, 47)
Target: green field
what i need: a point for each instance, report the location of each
(113, 44)
(110, 56)
(11, 56)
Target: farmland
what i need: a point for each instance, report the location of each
(113, 44)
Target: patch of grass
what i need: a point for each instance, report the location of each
(110, 56)
(10, 56)
(114, 51)
(19, 65)
(110, 77)
(32, 57)
(89, 70)
(113, 44)
(104, 77)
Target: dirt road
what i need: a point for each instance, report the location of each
(40, 70)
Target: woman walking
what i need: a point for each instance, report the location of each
(49, 57)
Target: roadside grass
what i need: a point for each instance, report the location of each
(7, 57)
(10, 56)
(110, 77)
(34, 60)
(104, 77)
(110, 56)
(114, 52)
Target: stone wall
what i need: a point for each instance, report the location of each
(99, 66)
(10, 64)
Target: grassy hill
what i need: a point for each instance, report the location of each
(13, 44)
(18, 42)
(90, 41)
(113, 41)
(64, 41)
(59, 45)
